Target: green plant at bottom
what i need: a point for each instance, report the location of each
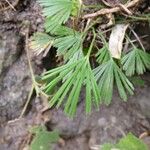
(43, 139)
(129, 142)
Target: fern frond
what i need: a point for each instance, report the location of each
(106, 75)
(82, 75)
(68, 45)
(103, 55)
(63, 31)
(67, 42)
(77, 56)
(136, 61)
(57, 12)
(40, 42)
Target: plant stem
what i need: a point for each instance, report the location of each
(27, 102)
(144, 18)
(92, 43)
(103, 39)
(138, 39)
(130, 42)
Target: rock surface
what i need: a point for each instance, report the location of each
(15, 78)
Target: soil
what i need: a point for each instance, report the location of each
(80, 133)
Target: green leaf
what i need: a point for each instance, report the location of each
(124, 84)
(76, 7)
(57, 12)
(129, 142)
(64, 31)
(136, 61)
(68, 45)
(103, 55)
(95, 89)
(67, 41)
(70, 106)
(88, 102)
(43, 139)
(72, 85)
(60, 74)
(106, 74)
(40, 42)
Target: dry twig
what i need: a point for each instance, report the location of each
(138, 38)
(111, 10)
(10, 5)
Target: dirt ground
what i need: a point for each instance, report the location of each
(80, 133)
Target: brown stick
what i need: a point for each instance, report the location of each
(111, 10)
(9, 5)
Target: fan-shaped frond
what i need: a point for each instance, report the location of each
(67, 42)
(82, 75)
(40, 42)
(77, 56)
(68, 45)
(64, 31)
(136, 61)
(106, 75)
(57, 12)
